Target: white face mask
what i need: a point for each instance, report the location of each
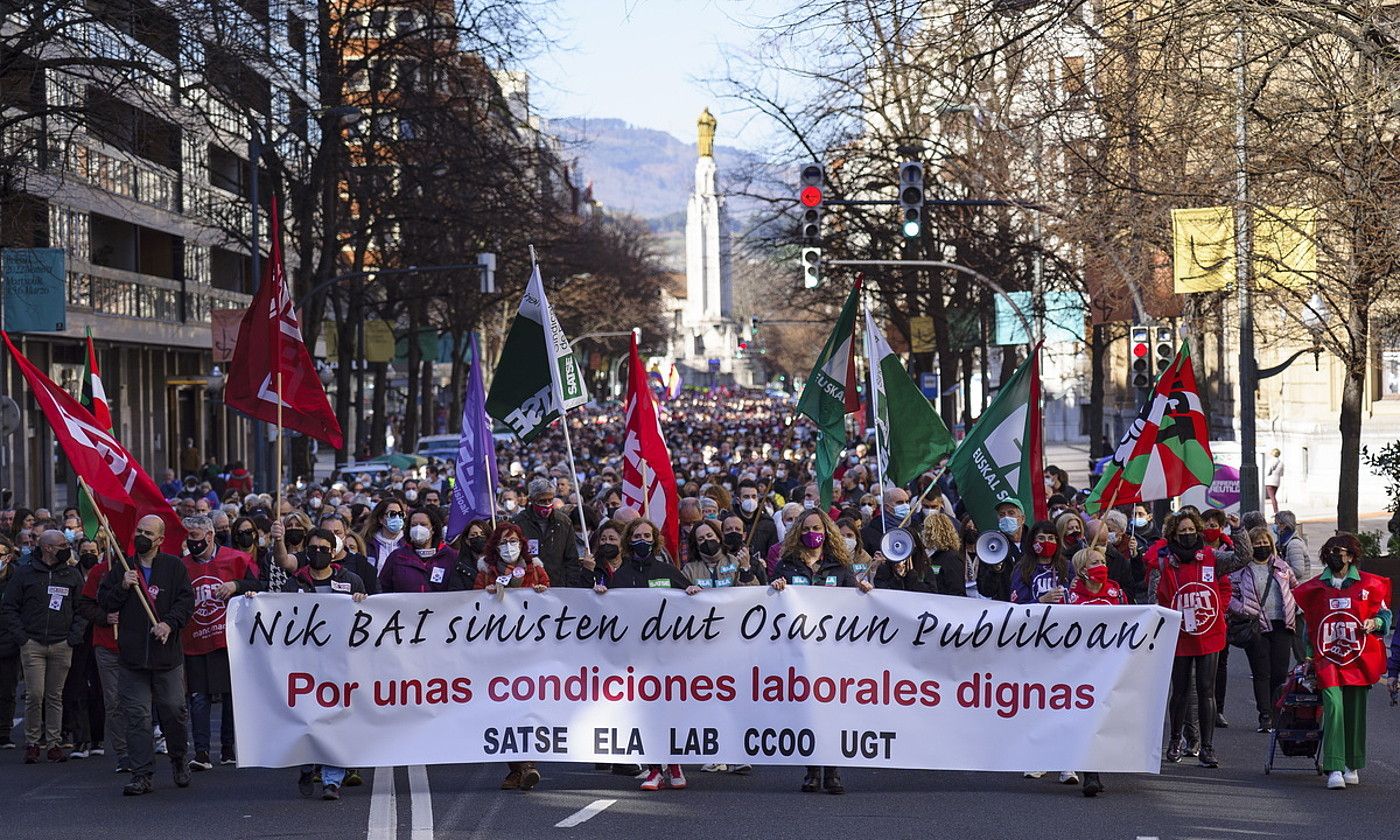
(411, 495)
(339, 544)
(510, 552)
(748, 505)
(808, 504)
(420, 534)
(850, 545)
(511, 505)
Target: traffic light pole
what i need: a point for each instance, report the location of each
(996, 288)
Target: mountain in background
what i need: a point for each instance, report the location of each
(641, 171)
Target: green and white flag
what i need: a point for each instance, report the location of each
(911, 435)
(830, 394)
(537, 378)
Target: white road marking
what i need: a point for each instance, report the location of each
(383, 806)
(421, 801)
(1144, 837)
(585, 814)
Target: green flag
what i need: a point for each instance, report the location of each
(911, 435)
(1001, 460)
(830, 394)
(537, 378)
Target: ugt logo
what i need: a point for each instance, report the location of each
(1339, 638)
(1197, 600)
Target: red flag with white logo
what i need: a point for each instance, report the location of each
(648, 482)
(269, 343)
(123, 490)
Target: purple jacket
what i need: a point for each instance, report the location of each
(1245, 601)
(405, 571)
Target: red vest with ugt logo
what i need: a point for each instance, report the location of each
(1200, 594)
(1343, 653)
(205, 631)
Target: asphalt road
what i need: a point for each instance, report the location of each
(82, 799)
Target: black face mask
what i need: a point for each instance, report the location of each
(223, 537)
(477, 544)
(733, 540)
(62, 555)
(709, 548)
(318, 558)
(612, 510)
(1262, 553)
(143, 544)
(294, 536)
(1188, 542)
(608, 551)
(641, 549)
(1335, 563)
(87, 561)
(245, 539)
(196, 547)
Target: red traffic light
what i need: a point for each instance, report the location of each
(1139, 349)
(810, 196)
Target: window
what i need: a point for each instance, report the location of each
(1076, 87)
(1390, 371)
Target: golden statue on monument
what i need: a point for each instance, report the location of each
(706, 125)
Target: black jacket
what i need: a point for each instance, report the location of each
(829, 572)
(353, 562)
(557, 547)
(9, 645)
(762, 534)
(1130, 575)
(635, 574)
(342, 581)
(137, 649)
(29, 611)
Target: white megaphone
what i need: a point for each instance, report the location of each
(897, 545)
(992, 547)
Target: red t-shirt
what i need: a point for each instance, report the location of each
(103, 635)
(1200, 595)
(1343, 653)
(205, 631)
(1110, 594)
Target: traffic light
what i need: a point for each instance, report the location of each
(1139, 368)
(1163, 349)
(811, 267)
(753, 326)
(812, 196)
(911, 199)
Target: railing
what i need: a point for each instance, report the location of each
(112, 291)
(136, 179)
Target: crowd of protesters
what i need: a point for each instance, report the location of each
(101, 680)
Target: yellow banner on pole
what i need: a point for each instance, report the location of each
(1203, 249)
(379, 341)
(921, 334)
(1285, 247)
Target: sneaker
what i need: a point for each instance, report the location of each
(227, 757)
(1069, 777)
(1208, 759)
(138, 786)
(511, 781)
(741, 769)
(123, 765)
(331, 793)
(715, 768)
(161, 747)
(1351, 777)
(1033, 774)
(304, 784)
(1266, 723)
(57, 755)
(353, 779)
(201, 761)
(677, 778)
(1336, 781)
(96, 751)
(1092, 786)
(6, 743)
(1193, 750)
(812, 782)
(1221, 722)
(31, 753)
(81, 751)
(832, 783)
(653, 781)
(529, 777)
(181, 769)
(1174, 751)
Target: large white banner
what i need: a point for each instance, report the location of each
(808, 675)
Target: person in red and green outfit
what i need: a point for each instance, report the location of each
(1347, 612)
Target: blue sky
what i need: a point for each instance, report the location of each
(646, 62)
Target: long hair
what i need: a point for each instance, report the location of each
(376, 517)
(832, 546)
(693, 542)
(1029, 559)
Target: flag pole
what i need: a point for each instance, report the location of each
(563, 410)
(486, 463)
(115, 547)
(277, 511)
(880, 453)
(919, 501)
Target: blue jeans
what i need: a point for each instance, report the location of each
(329, 775)
(200, 713)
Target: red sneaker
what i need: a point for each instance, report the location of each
(653, 781)
(677, 779)
(31, 753)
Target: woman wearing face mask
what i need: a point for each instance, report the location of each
(346, 554)
(424, 563)
(711, 566)
(290, 540)
(1186, 580)
(1043, 575)
(385, 530)
(605, 556)
(644, 565)
(1070, 529)
(813, 554)
(861, 561)
(507, 565)
(1291, 545)
(944, 571)
(1142, 527)
(1261, 597)
(471, 552)
(785, 520)
(1346, 613)
(1092, 587)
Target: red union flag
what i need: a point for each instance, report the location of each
(123, 490)
(648, 482)
(269, 343)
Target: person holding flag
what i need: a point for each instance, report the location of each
(830, 394)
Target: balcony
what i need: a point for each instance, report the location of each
(112, 291)
(118, 174)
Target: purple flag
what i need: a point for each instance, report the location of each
(473, 495)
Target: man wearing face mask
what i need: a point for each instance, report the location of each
(342, 556)
(217, 574)
(151, 659)
(40, 612)
(548, 532)
(890, 516)
(760, 532)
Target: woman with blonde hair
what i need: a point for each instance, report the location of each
(944, 569)
(1261, 599)
(1092, 587)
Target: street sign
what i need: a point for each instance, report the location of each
(36, 289)
(928, 383)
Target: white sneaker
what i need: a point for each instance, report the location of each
(161, 748)
(97, 751)
(1351, 777)
(1033, 774)
(714, 768)
(1335, 781)
(1069, 777)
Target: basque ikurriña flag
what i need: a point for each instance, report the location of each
(473, 493)
(648, 482)
(123, 490)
